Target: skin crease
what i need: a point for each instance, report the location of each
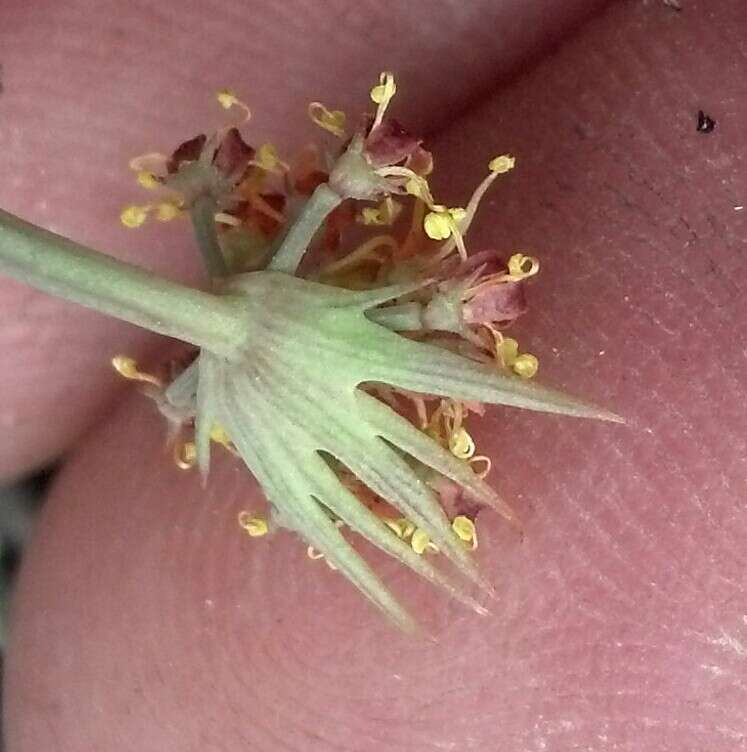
(145, 619)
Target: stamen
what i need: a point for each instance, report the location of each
(166, 211)
(526, 365)
(361, 253)
(153, 162)
(465, 530)
(497, 166)
(267, 159)
(227, 99)
(255, 525)
(502, 164)
(521, 266)
(147, 179)
(134, 216)
(420, 542)
(401, 527)
(331, 120)
(461, 444)
(482, 474)
(383, 214)
(127, 367)
(185, 455)
(381, 95)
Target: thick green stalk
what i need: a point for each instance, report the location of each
(64, 268)
(323, 200)
(203, 223)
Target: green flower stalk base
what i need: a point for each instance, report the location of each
(303, 358)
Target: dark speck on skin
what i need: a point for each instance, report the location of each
(706, 124)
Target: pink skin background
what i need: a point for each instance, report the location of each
(144, 619)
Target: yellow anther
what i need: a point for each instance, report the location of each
(383, 214)
(166, 211)
(152, 162)
(385, 89)
(521, 266)
(461, 444)
(421, 542)
(465, 530)
(437, 225)
(443, 223)
(401, 527)
(268, 159)
(255, 525)
(502, 164)
(508, 350)
(147, 179)
(417, 186)
(127, 367)
(133, 216)
(382, 94)
(227, 99)
(219, 436)
(185, 455)
(331, 120)
(525, 365)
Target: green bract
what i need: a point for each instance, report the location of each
(288, 368)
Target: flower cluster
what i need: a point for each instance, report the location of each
(370, 335)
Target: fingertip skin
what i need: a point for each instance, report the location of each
(144, 617)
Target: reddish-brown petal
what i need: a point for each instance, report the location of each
(188, 151)
(389, 143)
(233, 155)
(497, 303)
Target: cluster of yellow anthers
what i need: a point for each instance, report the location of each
(256, 526)
(440, 222)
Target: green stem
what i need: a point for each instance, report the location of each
(64, 268)
(203, 222)
(323, 200)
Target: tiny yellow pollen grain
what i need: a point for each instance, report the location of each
(134, 216)
(526, 365)
(465, 530)
(166, 211)
(147, 179)
(331, 120)
(502, 164)
(255, 525)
